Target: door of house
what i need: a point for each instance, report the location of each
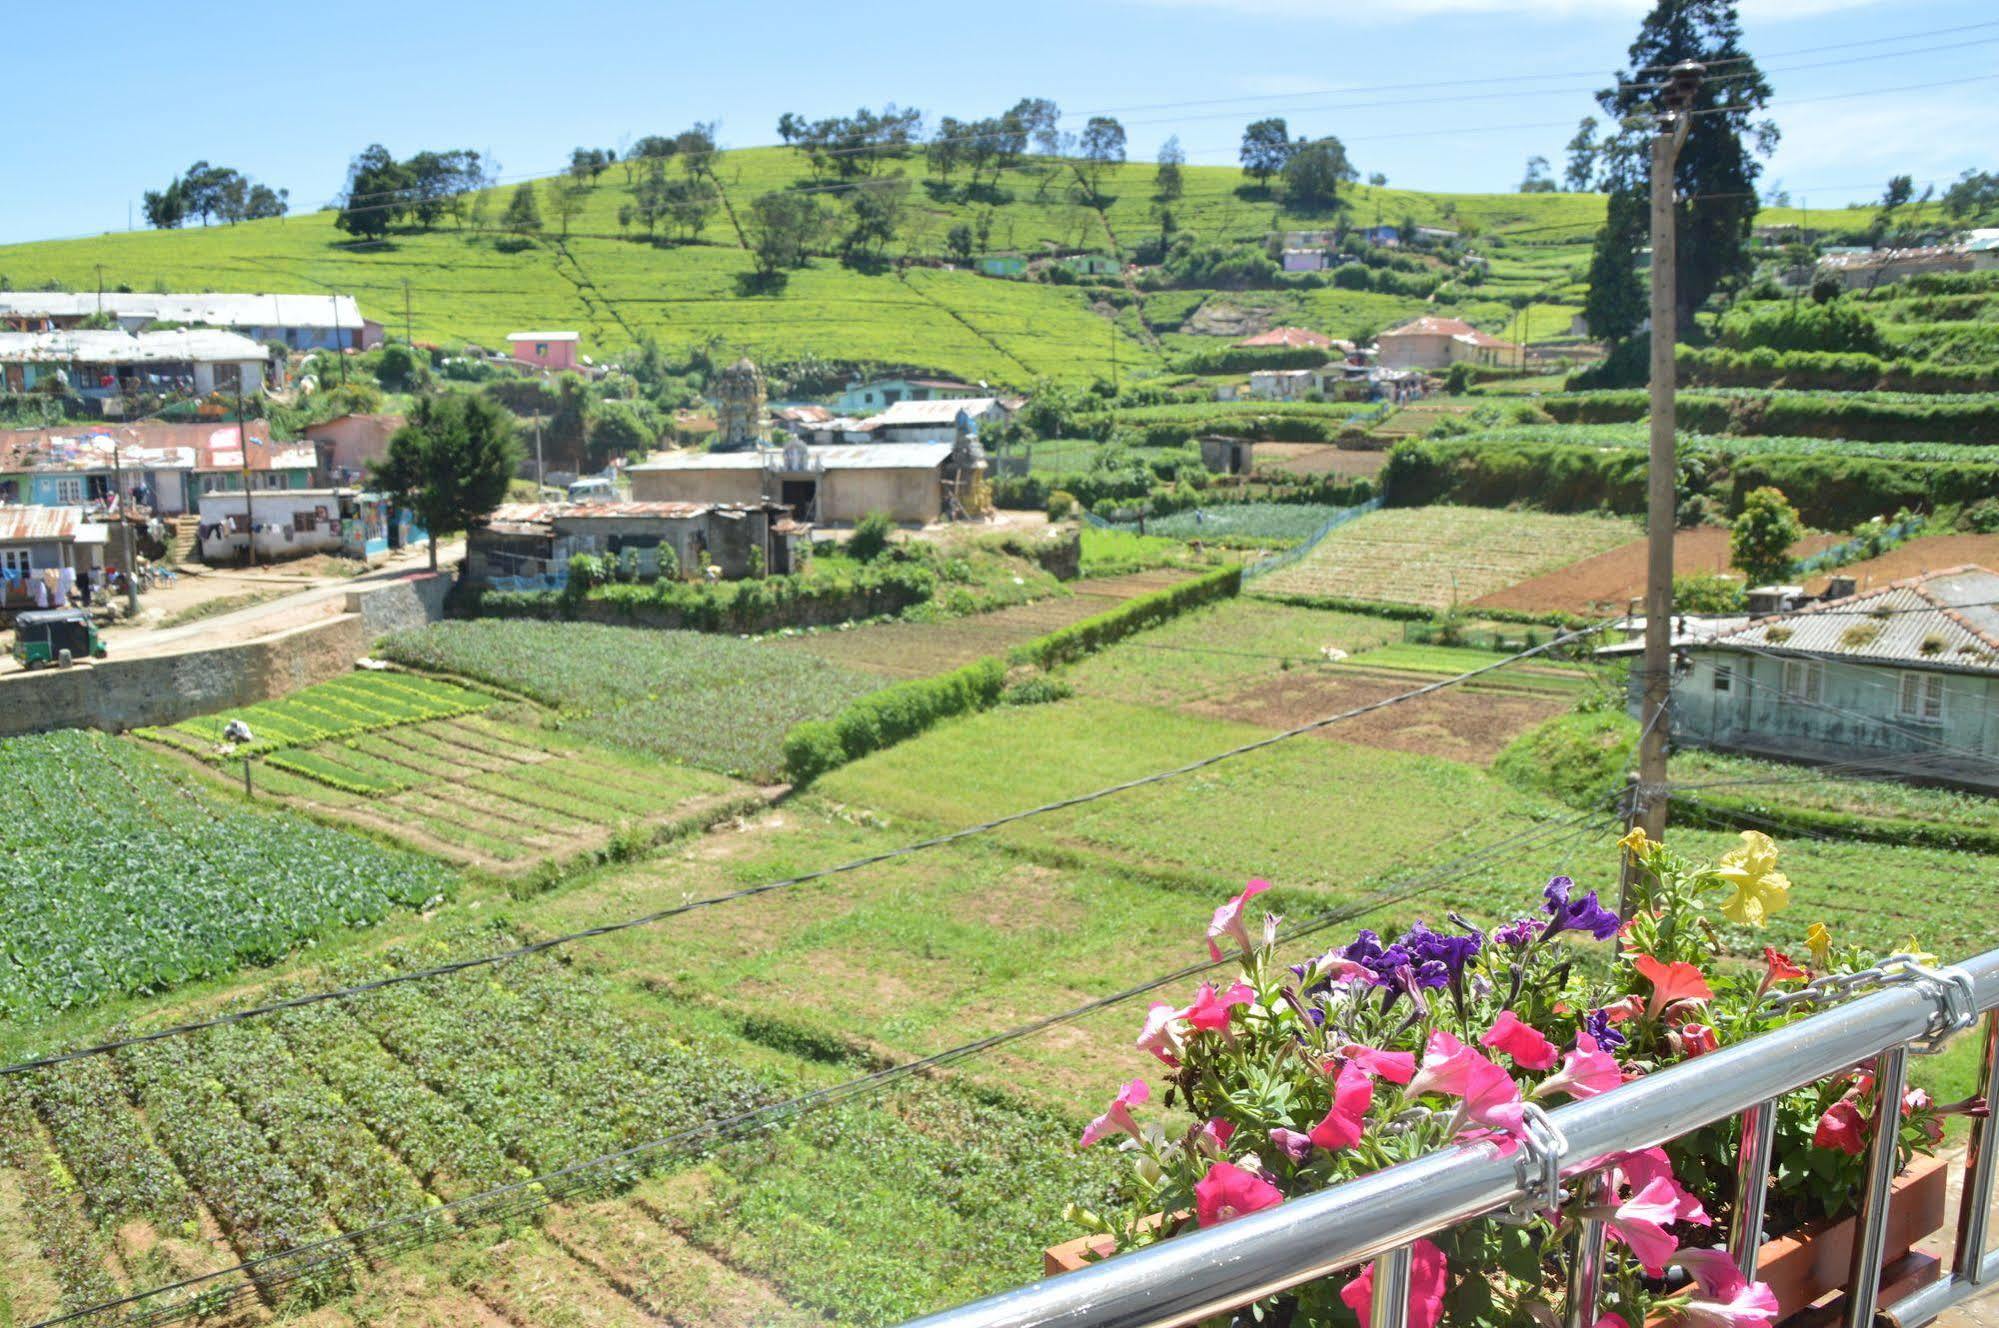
(800, 496)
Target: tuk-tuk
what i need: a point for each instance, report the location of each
(58, 636)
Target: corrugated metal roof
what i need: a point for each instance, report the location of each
(22, 524)
(840, 456)
(904, 414)
(542, 514)
(227, 310)
(543, 336)
(203, 345)
(1941, 620)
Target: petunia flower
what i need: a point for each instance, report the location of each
(1722, 1296)
(1672, 983)
(1777, 967)
(1346, 1120)
(1451, 949)
(1584, 914)
(1599, 1025)
(1446, 1067)
(1488, 1093)
(1397, 1067)
(1228, 921)
(1292, 1144)
(1842, 1128)
(1210, 1010)
(1915, 952)
(1635, 842)
(1428, 1276)
(1529, 1050)
(1213, 1137)
(1516, 934)
(1164, 1034)
(1696, 1039)
(1585, 1072)
(1650, 1165)
(1760, 889)
(1118, 1115)
(1640, 1223)
(1227, 1191)
(1818, 939)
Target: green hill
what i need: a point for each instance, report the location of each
(612, 285)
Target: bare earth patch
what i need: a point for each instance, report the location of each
(1610, 581)
(1457, 725)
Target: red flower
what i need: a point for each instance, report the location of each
(1842, 1128)
(1671, 983)
(1427, 1274)
(1353, 1094)
(1228, 1191)
(1397, 1067)
(1228, 921)
(1697, 1039)
(1211, 1010)
(1777, 967)
(1529, 1050)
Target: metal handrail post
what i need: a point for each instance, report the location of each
(1586, 1258)
(1389, 1305)
(1863, 1291)
(1980, 1159)
(1752, 1185)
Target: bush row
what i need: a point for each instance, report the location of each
(1804, 415)
(1245, 359)
(1725, 813)
(884, 718)
(754, 605)
(1830, 371)
(1070, 643)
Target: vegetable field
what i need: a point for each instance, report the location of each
(1437, 556)
(710, 701)
(123, 879)
(356, 703)
(1285, 523)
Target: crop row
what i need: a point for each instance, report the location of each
(356, 703)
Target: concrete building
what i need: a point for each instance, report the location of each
(545, 350)
(867, 397)
(301, 322)
(931, 421)
(1092, 265)
(1438, 343)
(528, 545)
(37, 540)
(1870, 268)
(1283, 384)
(1305, 260)
(346, 444)
(1890, 677)
(107, 366)
(294, 523)
(162, 468)
(835, 485)
(1002, 265)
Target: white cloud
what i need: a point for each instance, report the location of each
(1773, 11)
(1845, 151)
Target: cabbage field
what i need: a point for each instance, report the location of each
(123, 879)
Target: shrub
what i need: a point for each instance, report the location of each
(889, 716)
(1834, 326)
(871, 537)
(1578, 758)
(1708, 592)
(1038, 690)
(1091, 634)
(1760, 540)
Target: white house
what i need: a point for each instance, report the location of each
(112, 364)
(932, 421)
(1283, 384)
(1438, 343)
(1305, 260)
(302, 322)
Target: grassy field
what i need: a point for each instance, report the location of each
(1437, 556)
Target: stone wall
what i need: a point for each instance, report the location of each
(117, 694)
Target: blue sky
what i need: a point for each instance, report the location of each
(288, 93)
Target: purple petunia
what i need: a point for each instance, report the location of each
(1584, 914)
(1378, 959)
(1597, 1024)
(1453, 951)
(1516, 934)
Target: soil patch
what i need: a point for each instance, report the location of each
(1610, 582)
(1931, 553)
(1455, 724)
(1321, 459)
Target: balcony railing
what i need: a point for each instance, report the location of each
(1216, 1269)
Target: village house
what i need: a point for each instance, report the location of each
(528, 545)
(34, 540)
(1431, 342)
(1882, 676)
(1383, 237)
(108, 366)
(931, 421)
(912, 483)
(1435, 235)
(1002, 265)
(1292, 338)
(1092, 265)
(294, 523)
(1866, 269)
(1283, 384)
(346, 444)
(161, 468)
(1305, 260)
(300, 322)
(866, 397)
(545, 350)
(1981, 247)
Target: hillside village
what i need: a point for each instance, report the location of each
(636, 745)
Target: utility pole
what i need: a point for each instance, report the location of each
(100, 290)
(409, 337)
(540, 467)
(124, 533)
(1649, 802)
(249, 516)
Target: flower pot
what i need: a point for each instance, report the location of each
(1807, 1263)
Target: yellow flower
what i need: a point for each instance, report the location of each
(1915, 952)
(1818, 939)
(1760, 889)
(1635, 842)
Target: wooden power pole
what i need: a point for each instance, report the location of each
(1649, 803)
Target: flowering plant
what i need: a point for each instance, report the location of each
(1299, 1076)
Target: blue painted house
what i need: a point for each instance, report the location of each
(872, 396)
(1002, 265)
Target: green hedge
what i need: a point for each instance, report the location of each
(1801, 414)
(1830, 371)
(1246, 359)
(749, 605)
(882, 719)
(1071, 643)
(1725, 813)
(1838, 493)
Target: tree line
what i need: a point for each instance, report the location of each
(218, 193)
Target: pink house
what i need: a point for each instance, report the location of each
(544, 350)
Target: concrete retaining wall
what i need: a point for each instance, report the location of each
(118, 694)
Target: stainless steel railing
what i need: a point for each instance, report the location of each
(1207, 1272)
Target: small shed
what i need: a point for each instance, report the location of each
(531, 543)
(35, 541)
(545, 350)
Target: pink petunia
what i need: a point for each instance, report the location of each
(1213, 1138)
(1648, 1165)
(1446, 1067)
(1228, 921)
(1777, 967)
(1697, 1039)
(1451, 1068)
(1529, 1050)
(1118, 1115)
(1671, 983)
(1842, 1128)
(1346, 1121)
(1397, 1067)
(1428, 1275)
(1164, 1034)
(1227, 1191)
(1585, 1072)
(1723, 1297)
(1210, 1009)
(1640, 1222)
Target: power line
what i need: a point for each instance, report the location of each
(536, 1192)
(712, 901)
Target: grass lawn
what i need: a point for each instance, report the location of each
(1437, 556)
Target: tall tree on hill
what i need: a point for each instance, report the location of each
(1582, 151)
(450, 463)
(1041, 120)
(1715, 179)
(567, 199)
(523, 214)
(1315, 171)
(946, 149)
(378, 189)
(1614, 306)
(1266, 146)
(695, 147)
(1167, 181)
(1537, 179)
(782, 228)
(1102, 145)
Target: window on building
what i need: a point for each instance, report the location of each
(1921, 697)
(304, 521)
(1724, 677)
(1803, 681)
(14, 562)
(69, 490)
